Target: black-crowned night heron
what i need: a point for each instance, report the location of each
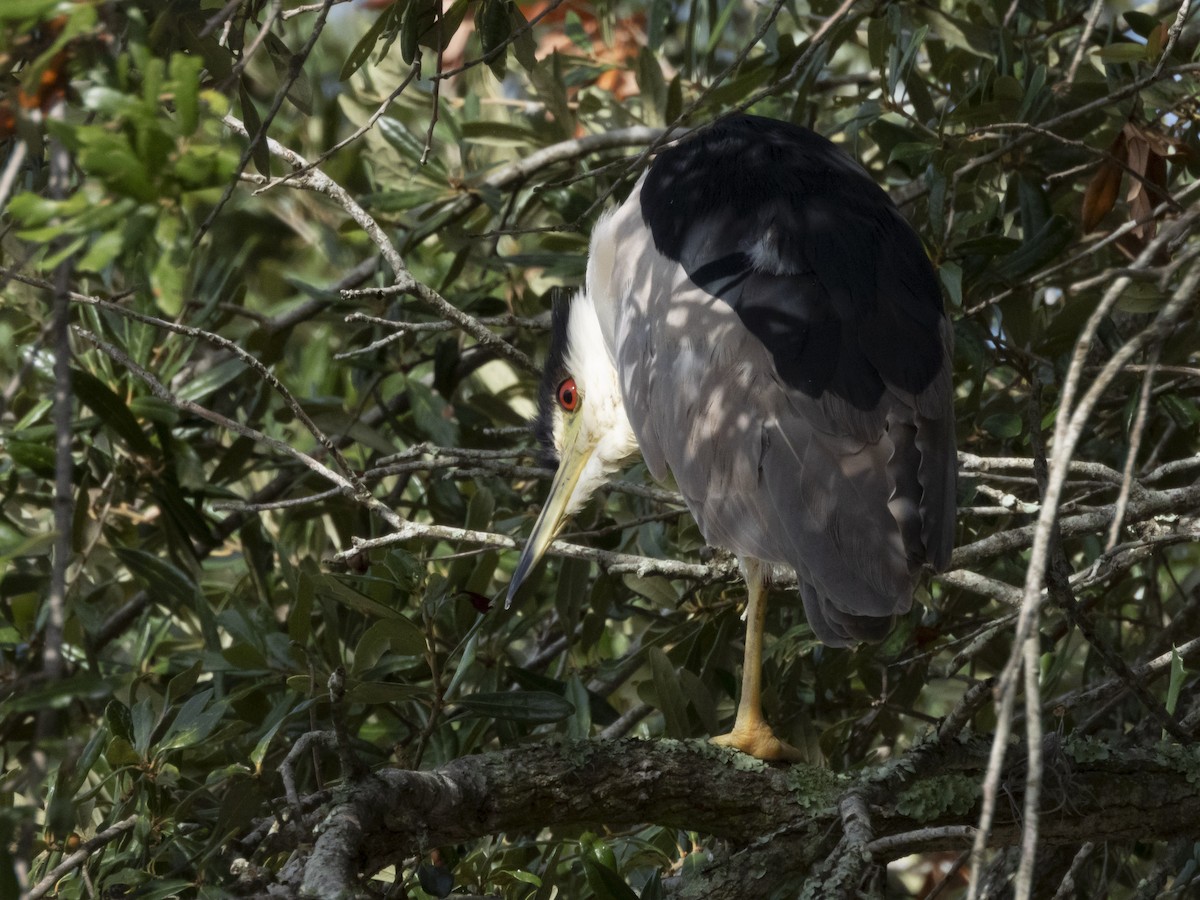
(762, 324)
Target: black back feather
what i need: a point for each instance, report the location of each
(811, 253)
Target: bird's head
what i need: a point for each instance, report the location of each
(581, 423)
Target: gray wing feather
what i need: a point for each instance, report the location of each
(768, 471)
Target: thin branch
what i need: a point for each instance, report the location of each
(64, 417)
(617, 563)
(80, 856)
(1084, 37)
(895, 846)
(317, 180)
(1069, 426)
(160, 390)
(495, 52)
(228, 346)
(413, 73)
(295, 68)
(1136, 430)
(12, 168)
(259, 39)
(435, 106)
(565, 151)
(1067, 887)
(308, 8)
(1173, 33)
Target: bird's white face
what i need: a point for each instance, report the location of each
(589, 417)
(590, 431)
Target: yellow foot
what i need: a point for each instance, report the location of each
(758, 740)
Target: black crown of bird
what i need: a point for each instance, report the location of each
(761, 324)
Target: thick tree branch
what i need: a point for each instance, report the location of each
(777, 822)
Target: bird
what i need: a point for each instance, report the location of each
(760, 323)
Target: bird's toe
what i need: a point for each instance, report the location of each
(758, 740)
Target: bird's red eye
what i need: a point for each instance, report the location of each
(568, 396)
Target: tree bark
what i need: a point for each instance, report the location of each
(779, 827)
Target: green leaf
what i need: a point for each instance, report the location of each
(573, 29)
(879, 38)
(38, 458)
(112, 411)
(166, 582)
(109, 156)
(1174, 685)
(398, 635)
(580, 724)
(951, 275)
(418, 18)
(335, 589)
(185, 79)
(362, 49)
(1038, 250)
(658, 18)
(670, 695)
(120, 753)
(152, 409)
(1122, 53)
(1004, 425)
(493, 22)
(1141, 23)
(220, 375)
(653, 889)
(119, 719)
(498, 134)
(600, 711)
(524, 46)
(722, 23)
(184, 681)
(1182, 411)
(549, 82)
(274, 723)
(372, 692)
(16, 10)
(604, 882)
(253, 123)
(60, 694)
(652, 85)
(193, 723)
(523, 706)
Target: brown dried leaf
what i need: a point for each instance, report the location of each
(1147, 157)
(1101, 193)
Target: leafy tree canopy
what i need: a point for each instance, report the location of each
(275, 278)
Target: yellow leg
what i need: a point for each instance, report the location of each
(751, 734)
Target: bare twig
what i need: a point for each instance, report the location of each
(1067, 887)
(287, 769)
(895, 846)
(1084, 37)
(64, 417)
(265, 29)
(227, 345)
(1136, 429)
(317, 180)
(12, 168)
(413, 73)
(1173, 33)
(80, 856)
(160, 390)
(1069, 426)
(295, 68)
(435, 107)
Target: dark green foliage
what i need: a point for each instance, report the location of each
(240, 388)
